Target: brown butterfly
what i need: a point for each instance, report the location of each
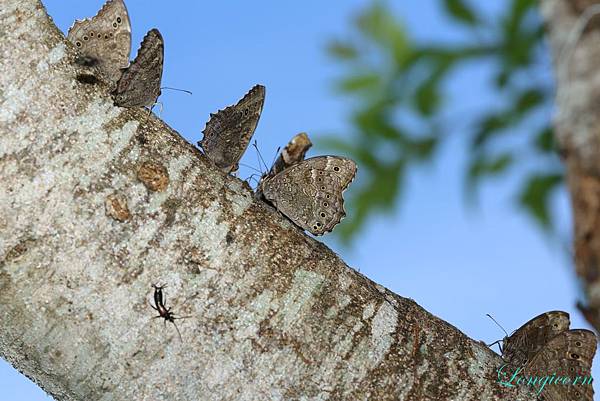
(228, 132)
(139, 85)
(309, 192)
(104, 41)
(544, 346)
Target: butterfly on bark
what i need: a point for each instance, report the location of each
(545, 346)
(103, 42)
(139, 84)
(228, 131)
(310, 191)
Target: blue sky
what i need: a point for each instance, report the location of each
(458, 263)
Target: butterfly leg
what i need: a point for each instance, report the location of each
(494, 343)
(252, 177)
(160, 108)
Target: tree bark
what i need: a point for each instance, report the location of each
(574, 32)
(99, 202)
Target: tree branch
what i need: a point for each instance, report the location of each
(574, 29)
(99, 202)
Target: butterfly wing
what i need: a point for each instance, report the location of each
(569, 354)
(104, 41)
(526, 341)
(293, 153)
(228, 132)
(139, 84)
(310, 192)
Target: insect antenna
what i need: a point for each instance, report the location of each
(498, 324)
(497, 341)
(178, 332)
(260, 158)
(173, 318)
(250, 167)
(275, 157)
(177, 89)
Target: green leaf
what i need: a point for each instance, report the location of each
(520, 35)
(378, 24)
(483, 166)
(379, 194)
(399, 90)
(363, 155)
(367, 81)
(374, 122)
(423, 148)
(461, 12)
(529, 99)
(519, 8)
(488, 166)
(357, 212)
(335, 142)
(427, 97)
(494, 124)
(502, 77)
(342, 51)
(535, 196)
(544, 140)
(488, 127)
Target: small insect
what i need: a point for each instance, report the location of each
(163, 311)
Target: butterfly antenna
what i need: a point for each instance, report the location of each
(250, 167)
(260, 158)
(176, 89)
(498, 324)
(275, 157)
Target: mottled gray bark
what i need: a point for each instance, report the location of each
(98, 202)
(574, 32)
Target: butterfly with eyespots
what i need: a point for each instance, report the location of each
(104, 41)
(309, 192)
(545, 346)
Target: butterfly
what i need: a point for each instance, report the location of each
(309, 192)
(139, 84)
(104, 41)
(293, 153)
(544, 346)
(228, 132)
